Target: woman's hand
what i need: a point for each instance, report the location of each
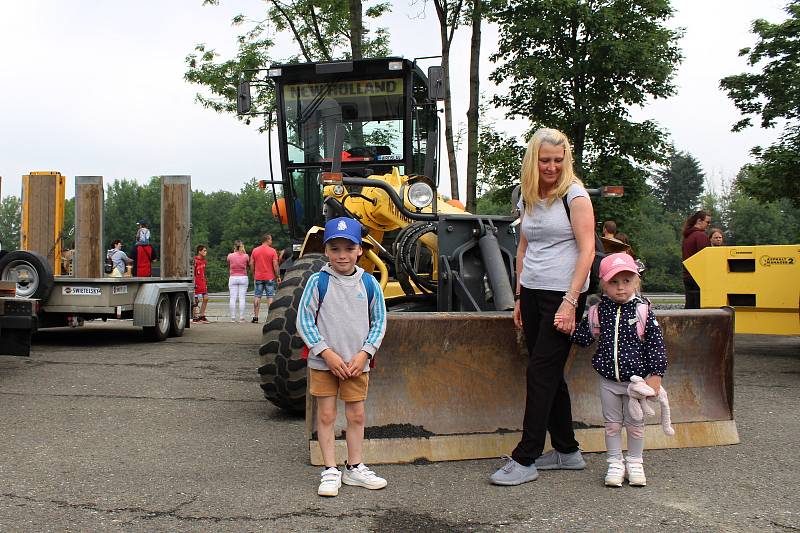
(517, 316)
(564, 320)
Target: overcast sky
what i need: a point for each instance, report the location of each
(96, 88)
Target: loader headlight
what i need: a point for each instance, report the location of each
(420, 195)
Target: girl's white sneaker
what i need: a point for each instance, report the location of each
(635, 474)
(615, 474)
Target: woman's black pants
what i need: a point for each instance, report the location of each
(547, 405)
(692, 291)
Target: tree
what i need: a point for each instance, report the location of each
(10, 220)
(473, 113)
(449, 14)
(679, 186)
(655, 236)
(773, 93)
(579, 66)
(753, 222)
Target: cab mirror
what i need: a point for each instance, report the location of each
(436, 83)
(243, 100)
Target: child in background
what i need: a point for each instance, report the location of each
(200, 285)
(622, 353)
(342, 320)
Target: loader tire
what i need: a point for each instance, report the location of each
(283, 369)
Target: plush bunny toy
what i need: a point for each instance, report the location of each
(639, 392)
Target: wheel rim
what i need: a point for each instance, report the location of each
(180, 312)
(24, 275)
(163, 315)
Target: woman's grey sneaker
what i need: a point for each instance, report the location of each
(513, 473)
(361, 476)
(555, 460)
(329, 482)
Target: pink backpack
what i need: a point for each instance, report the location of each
(642, 309)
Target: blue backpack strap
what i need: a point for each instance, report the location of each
(322, 286)
(370, 286)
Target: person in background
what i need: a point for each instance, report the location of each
(200, 285)
(623, 238)
(694, 240)
(554, 255)
(142, 232)
(237, 282)
(266, 273)
(609, 229)
(715, 237)
(119, 259)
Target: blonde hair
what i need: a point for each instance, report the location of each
(238, 246)
(529, 177)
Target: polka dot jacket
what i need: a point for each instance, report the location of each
(620, 353)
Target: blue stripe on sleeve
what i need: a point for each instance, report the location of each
(377, 313)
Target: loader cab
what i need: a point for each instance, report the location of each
(388, 118)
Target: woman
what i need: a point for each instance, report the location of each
(715, 237)
(237, 282)
(694, 240)
(119, 259)
(554, 255)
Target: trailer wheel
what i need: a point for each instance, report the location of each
(160, 331)
(31, 272)
(179, 315)
(283, 370)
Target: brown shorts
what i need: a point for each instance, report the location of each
(324, 383)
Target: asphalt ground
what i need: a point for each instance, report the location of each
(102, 431)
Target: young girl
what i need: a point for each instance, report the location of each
(625, 349)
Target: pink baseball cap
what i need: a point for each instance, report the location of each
(613, 264)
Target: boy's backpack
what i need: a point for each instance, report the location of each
(642, 310)
(322, 288)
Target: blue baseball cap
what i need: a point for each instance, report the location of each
(344, 227)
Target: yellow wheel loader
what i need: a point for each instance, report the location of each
(360, 139)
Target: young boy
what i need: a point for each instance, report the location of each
(200, 285)
(342, 334)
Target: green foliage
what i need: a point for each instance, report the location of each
(10, 221)
(579, 66)
(127, 202)
(753, 222)
(655, 237)
(773, 93)
(680, 185)
(775, 175)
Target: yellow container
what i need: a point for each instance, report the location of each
(762, 283)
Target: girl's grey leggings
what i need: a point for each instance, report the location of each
(614, 397)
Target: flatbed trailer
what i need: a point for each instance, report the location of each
(159, 306)
(35, 293)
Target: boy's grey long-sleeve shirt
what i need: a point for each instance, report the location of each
(346, 322)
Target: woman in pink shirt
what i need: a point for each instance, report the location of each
(237, 282)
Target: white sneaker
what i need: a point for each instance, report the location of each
(361, 476)
(329, 482)
(635, 474)
(615, 474)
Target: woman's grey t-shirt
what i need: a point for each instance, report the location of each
(552, 252)
(120, 259)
